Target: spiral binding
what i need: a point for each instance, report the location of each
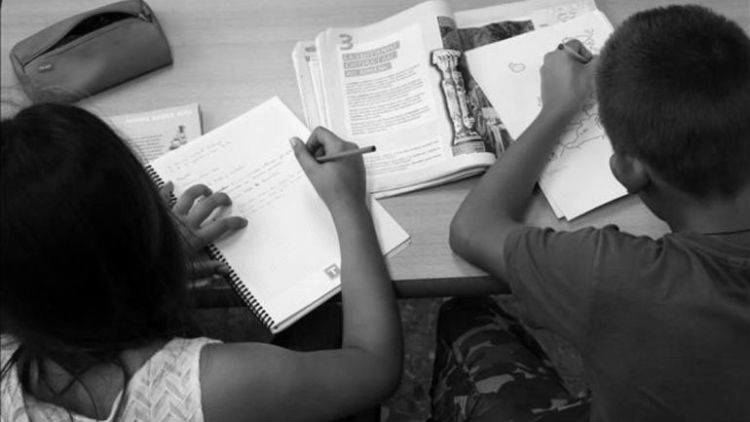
(159, 182)
(241, 289)
(214, 253)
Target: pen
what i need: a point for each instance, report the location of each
(574, 53)
(347, 153)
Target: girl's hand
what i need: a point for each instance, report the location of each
(191, 210)
(340, 183)
(566, 81)
(203, 272)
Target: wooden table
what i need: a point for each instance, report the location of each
(232, 55)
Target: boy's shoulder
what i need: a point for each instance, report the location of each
(608, 250)
(592, 242)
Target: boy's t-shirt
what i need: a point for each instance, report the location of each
(663, 325)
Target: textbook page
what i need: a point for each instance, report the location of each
(288, 255)
(384, 85)
(470, 29)
(150, 134)
(577, 178)
(310, 83)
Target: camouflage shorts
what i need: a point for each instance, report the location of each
(488, 368)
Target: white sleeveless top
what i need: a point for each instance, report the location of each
(166, 388)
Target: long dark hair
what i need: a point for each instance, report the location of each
(91, 261)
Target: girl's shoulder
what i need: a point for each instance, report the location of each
(176, 363)
(171, 374)
(183, 348)
(176, 348)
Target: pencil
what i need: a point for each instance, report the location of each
(573, 53)
(347, 153)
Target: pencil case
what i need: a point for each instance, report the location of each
(90, 52)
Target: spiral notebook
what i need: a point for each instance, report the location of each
(287, 260)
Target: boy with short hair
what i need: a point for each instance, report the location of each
(663, 325)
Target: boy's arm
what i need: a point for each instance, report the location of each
(495, 207)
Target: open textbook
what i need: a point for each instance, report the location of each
(287, 260)
(404, 84)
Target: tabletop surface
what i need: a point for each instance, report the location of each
(230, 56)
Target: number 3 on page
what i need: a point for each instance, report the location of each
(346, 42)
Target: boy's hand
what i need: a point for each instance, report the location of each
(566, 81)
(340, 183)
(191, 214)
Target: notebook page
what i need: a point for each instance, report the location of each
(288, 255)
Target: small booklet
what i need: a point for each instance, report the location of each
(403, 85)
(153, 133)
(287, 260)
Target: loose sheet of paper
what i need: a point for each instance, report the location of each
(577, 178)
(288, 255)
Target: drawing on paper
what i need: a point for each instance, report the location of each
(565, 13)
(586, 38)
(584, 128)
(516, 67)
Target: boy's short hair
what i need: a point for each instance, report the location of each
(674, 91)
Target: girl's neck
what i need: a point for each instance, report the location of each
(92, 393)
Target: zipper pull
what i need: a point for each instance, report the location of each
(143, 12)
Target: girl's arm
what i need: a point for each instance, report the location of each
(252, 381)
